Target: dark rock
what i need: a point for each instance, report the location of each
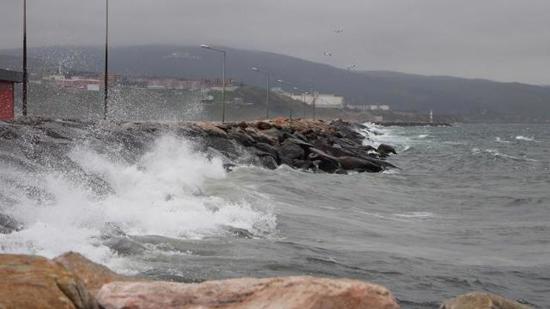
(9, 225)
(385, 150)
(268, 161)
(269, 149)
(360, 165)
(262, 125)
(290, 151)
(242, 138)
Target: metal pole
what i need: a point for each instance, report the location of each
(25, 69)
(267, 98)
(313, 104)
(106, 85)
(223, 88)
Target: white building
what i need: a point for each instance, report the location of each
(321, 100)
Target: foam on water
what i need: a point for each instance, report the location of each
(162, 194)
(525, 138)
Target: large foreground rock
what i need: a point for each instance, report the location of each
(291, 292)
(36, 282)
(93, 275)
(481, 301)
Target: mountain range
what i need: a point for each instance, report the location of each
(472, 99)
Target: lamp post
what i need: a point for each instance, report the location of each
(267, 77)
(106, 72)
(223, 75)
(293, 88)
(25, 71)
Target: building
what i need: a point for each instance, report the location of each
(7, 93)
(379, 107)
(321, 100)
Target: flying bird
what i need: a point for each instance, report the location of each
(339, 30)
(352, 67)
(328, 54)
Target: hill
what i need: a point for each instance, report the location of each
(473, 99)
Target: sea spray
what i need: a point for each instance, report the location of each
(164, 193)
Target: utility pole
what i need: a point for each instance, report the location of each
(205, 46)
(106, 72)
(25, 69)
(267, 77)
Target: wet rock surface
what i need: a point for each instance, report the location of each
(479, 300)
(36, 282)
(289, 292)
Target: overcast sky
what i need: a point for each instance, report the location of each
(507, 40)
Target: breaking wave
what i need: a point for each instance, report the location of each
(164, 193)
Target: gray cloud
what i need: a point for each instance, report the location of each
(497, 39)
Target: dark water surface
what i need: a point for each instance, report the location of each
(468, 210)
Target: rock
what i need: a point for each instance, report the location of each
(267, 161)
(36, 282)
(262, 125)
(268, 149)
(210, 129)
(93, 275)
(8, 224)
(290, 151)
(289, 293)
(479, 300)
(385, 150)
(360, 165)
(242, 138)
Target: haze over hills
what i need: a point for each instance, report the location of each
(473, 99)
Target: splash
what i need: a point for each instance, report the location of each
(164, 193)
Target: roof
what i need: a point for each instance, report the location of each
(11, 76)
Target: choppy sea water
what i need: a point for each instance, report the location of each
(468, 210)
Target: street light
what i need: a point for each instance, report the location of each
(106, 72)
(223, 75)
(267, 76)
(25, 72)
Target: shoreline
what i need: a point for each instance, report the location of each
(72, 281)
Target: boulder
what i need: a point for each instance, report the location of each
(93, 275)
(8, 224)
(289, 293)
(290, 151)
(385, 150)
(360, 165)
(36, 282)
(268, 149)
(262, 125)
(267, 161)
(479, 300)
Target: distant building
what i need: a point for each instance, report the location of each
(321, 100)
(7, 93)
(376, 107)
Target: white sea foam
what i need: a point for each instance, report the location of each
(525, 138)
(162, 194)
(500, 140)
(415, 215)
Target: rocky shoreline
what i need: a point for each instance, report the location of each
(72, 281)
(314, 145)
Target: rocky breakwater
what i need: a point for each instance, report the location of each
(320, 146)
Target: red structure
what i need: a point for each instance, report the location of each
(7, 93)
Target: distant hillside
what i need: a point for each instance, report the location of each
(473, 99)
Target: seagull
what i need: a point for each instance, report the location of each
(328, 54)
(352, 67)
(339, 30)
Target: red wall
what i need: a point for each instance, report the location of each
(6, 101)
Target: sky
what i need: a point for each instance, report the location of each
(504, 40)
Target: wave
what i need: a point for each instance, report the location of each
(496, 154)
(499, 140)
(164, 193)
(525, 138)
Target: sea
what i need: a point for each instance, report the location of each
(468, 209)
